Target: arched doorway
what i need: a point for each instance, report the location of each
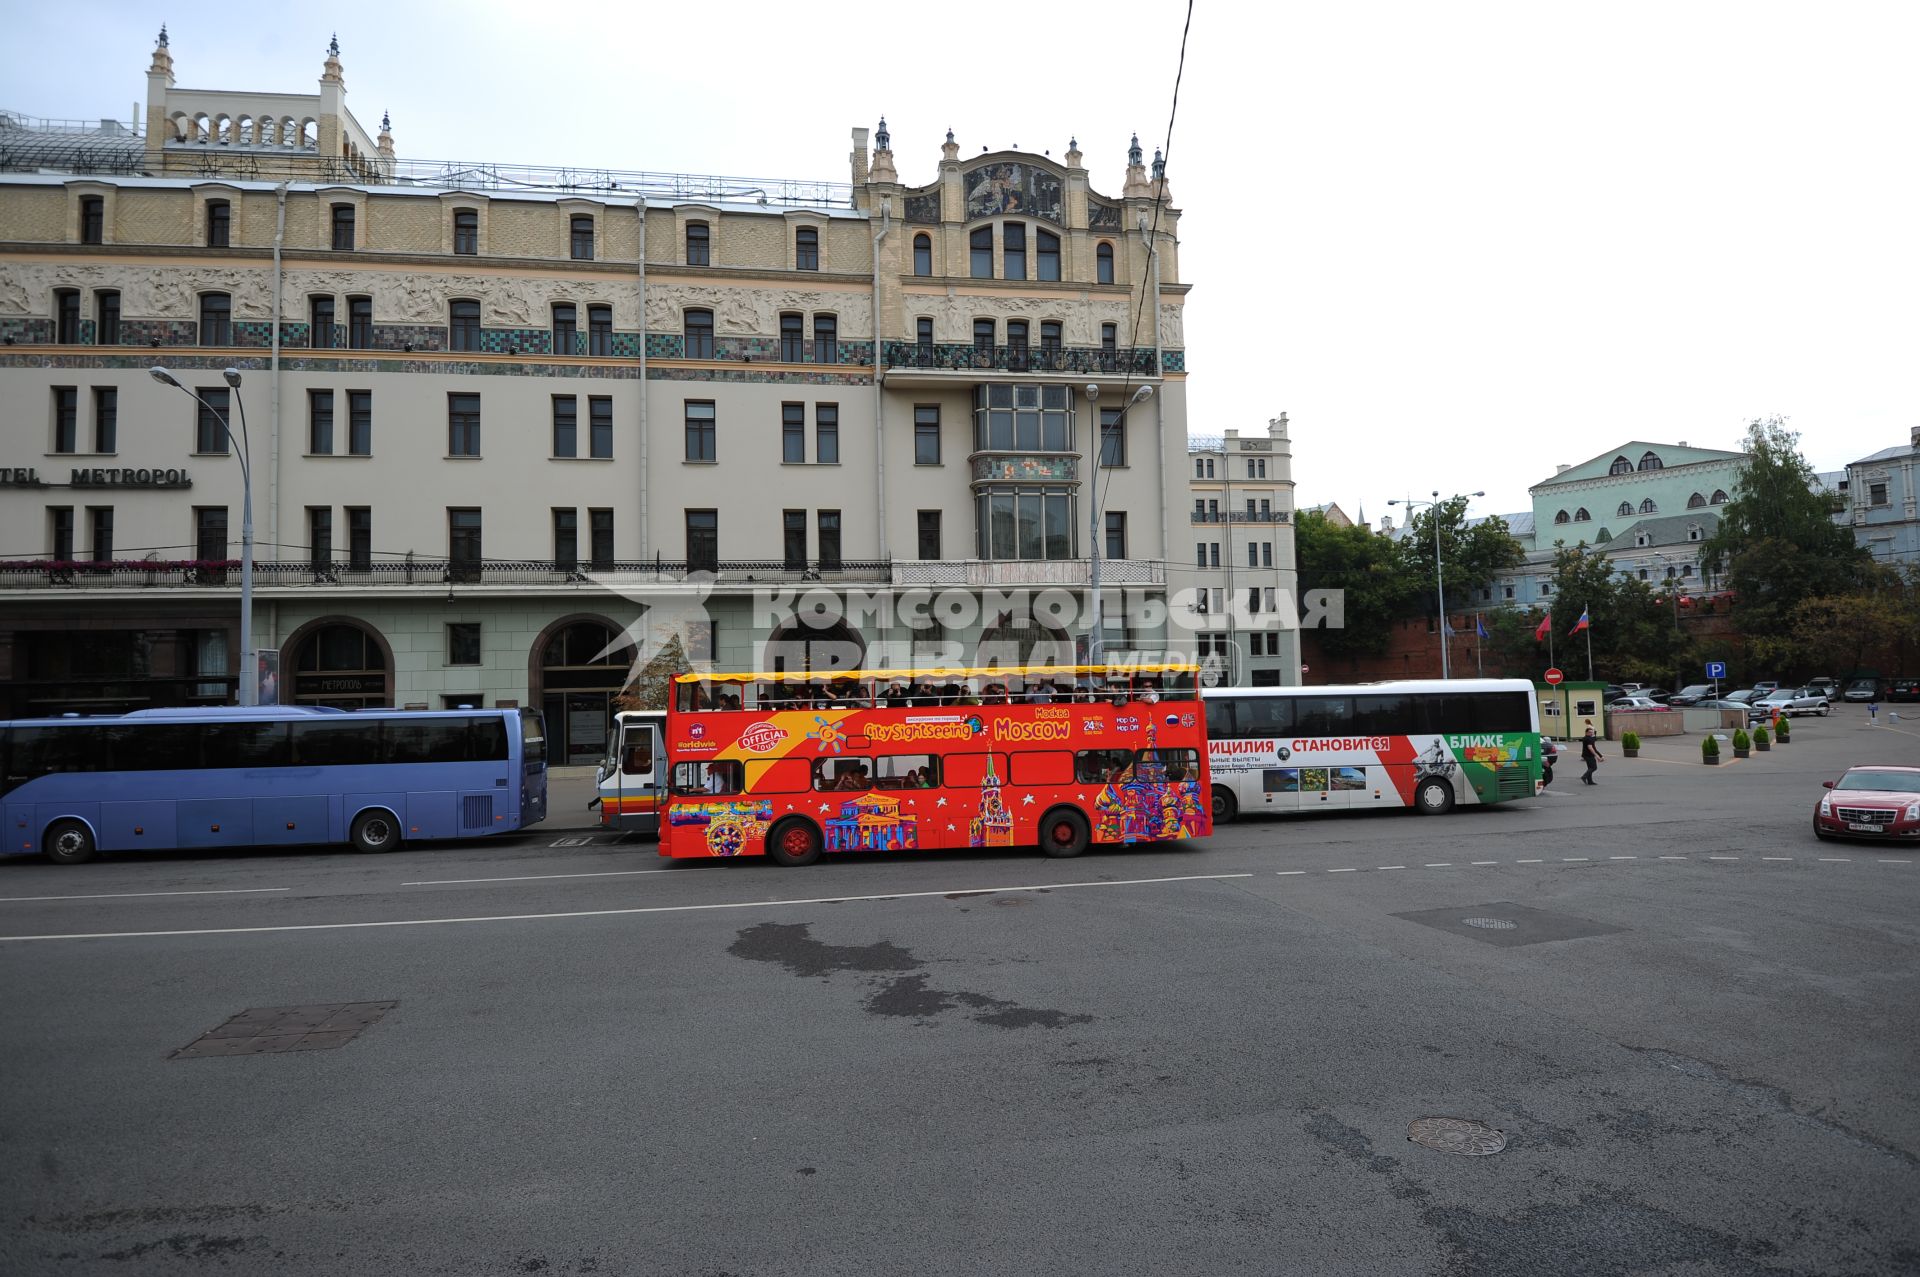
(337, 661)
(574, 678)
(811, 643)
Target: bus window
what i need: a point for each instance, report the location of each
(149, 747)
(724, 777)
(245, 745)
(1323, 716)
(1220, 716)
(1041, 767)
(1384, 716)
(1501, 712)
(1265, 716)
(1181, 764)
(717, 777)
(533, 737)
(845, 775)
(905, 771)
(487, 739)
(331, 743)
(46, 751)
(636, 758)
(428, 740)
(1098, 766)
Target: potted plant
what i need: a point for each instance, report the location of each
(1783, 731)
(1741, 742)
(1762, 741)
(1710, 751)
(1630, 744)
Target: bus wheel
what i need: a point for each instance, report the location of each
(1063, 832)
(794, 843)
(68, 842)
(1433, 798)
(1224, 806)
(374, 830)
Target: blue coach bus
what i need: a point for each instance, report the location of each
(155, 780)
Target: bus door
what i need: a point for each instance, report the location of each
(533, 766)
(633, 775)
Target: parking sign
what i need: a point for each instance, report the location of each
(1716, 670)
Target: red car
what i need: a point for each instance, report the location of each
(1871, 802)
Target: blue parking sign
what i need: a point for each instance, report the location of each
(1716, 670)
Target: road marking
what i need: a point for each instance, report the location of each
(1896, 862)
(1486, 862)
(1723, 857)
(1835, 860)
(1343, 871)
(613, 873)
(1673, 857)
(1403, 866)
(1527, 862)
(1776, 857)
(614, 913)
(1572, 858)
(1443, 864)
(1623, 857)
(1288, 873)
(123, 895)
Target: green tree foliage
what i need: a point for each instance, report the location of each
(1873, 628)
(654, 684)
(1635, 635)
(1777, 544)
(1368, 569)
(1471, 554)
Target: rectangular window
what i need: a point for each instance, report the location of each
(359, 537)
(826, 339)
(320, 422)
(826, 434)
(93, 219)
(1200, 554)
(600, 331)
(566, 426)
(210, 429)
(210, 533)
(1253, 555)
(1876, 494)
(1109, 337)
(1013, 251)
(463, 544)
(980, 253)
(703, 540)
(106, 310)
(100, 517)
(1266, 554)
(793, 433)
(67, 316)
(1113, 437)
(793, 338)
(320, 537)
(922, 255)
(565, 327)
(66, 419)
(983, 334)
(1050, 336)
(320, 323)
(793, 539)
(699, 245)
(806, 248)
(1047, 258)
(219, 224)
(106, 419)
(697, 327)
(360, 323)
(926, 434)
(216, 319)
(829, 540)
(1213, 554)
(929, 527)
(466, 232)
(1116, 534)
(60, 533)
(360, 423)
(580, 238)
(343, 227)
(566, 539)
(463, 325)
(600, 532)
(600, 426)
(463, 425)
(700, 431)
(923, 332)
(463, 642)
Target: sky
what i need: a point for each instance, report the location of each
(1456, 244)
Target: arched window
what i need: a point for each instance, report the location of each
(1103, 263)
(1648, 461)
(1620, 466)
(699, 245)
(1648, 507)
(1719, 496)
(698, 327)
(923, 254)
(980, 253)
(1693, 532)
(1047, 255)
(1581, 515)
(1695, 501)
(1562, 517)
(1626, 510)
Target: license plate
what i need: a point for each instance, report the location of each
(1863, 827)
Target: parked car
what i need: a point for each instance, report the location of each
(1741, 696)
(1632, 704)
(1691, 694)
(1765, 687)
(1904, 689)
(1753, 712)
(1862, 690)
(1794, 700)
(1871, 802)
(1826, 687)
(1612, 692)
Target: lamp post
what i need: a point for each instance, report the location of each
(1439, 578)
(1094, 452)
(249, 687)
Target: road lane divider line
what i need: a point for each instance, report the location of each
(1570, 859)
(611, 873)
(1343, 871)
(1486, 862)
(1528, 862)
(1776, 857)
(614, 913)
(1673, 857)
(1439, 864)
(1723, 857)
(1384, 867)
(1288, 873)
(1835, 860)
(127, 895)
(1896, 862)
(1623, 857)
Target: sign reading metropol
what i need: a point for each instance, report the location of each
(97, 477)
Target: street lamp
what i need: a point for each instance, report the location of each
(1094, 453)
(1439, 580)
(249, 681)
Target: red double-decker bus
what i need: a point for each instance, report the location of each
(792, 765)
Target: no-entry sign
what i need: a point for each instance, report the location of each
(1553, 678)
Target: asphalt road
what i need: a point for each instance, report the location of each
(1696, 1035)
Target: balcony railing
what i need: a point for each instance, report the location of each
(1242, 516)
(976, 573)
(953, 357)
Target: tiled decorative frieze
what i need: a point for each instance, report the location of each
(1173, 360)
(163, 332)
(27, 332)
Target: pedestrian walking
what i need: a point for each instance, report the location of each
(1547, 752)
(1873, 713)
(1590, 755)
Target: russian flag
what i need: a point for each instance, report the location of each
(1540, 630)
(1579, 625)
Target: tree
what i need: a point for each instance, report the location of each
(1367, 569)
(654, 683)
(1631, 630)
(1471, 554)
(1874, 628)
(1777, 543)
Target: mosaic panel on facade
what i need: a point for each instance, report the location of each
(1102, 216)
(923, 207)
(1009, 186)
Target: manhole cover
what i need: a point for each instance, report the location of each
(1456, 1135)
(1489, 924)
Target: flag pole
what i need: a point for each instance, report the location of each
(1589, 628)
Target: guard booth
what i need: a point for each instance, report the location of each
(1568, 710)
